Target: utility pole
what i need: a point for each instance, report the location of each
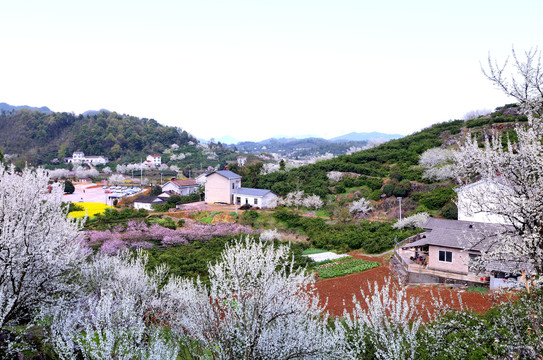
(400, 198)
(141, 172)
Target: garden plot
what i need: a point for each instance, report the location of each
(323, 256)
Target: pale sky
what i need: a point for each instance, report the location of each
(256, 69)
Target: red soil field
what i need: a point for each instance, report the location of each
(339, 291)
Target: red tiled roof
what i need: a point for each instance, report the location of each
(187, 182)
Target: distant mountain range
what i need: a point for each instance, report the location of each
(366, 136)
(354, 136)
(45, 109)
(8, 107)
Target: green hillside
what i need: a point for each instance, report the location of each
(38, 137)
(391, 168)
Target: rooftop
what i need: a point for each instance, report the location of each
(251, 192)
(185, 182)
(226, 173)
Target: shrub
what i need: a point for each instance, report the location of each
(69, 188)
(249, 217)
(450, 211)
(435, 199)
(402, 189)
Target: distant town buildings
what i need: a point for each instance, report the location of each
(79, 157)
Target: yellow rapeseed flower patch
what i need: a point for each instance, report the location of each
(91, 209)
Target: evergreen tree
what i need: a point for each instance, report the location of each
(69, 188)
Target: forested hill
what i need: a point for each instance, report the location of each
(396, 158)
(38, 137)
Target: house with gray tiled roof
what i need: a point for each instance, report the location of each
(442, 253)
(255, 197)
(224, 187)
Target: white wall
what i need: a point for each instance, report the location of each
(145, 206)
(486, 194)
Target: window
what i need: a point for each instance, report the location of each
(246, 201)
(256, 201)
(445, 256)
(232, 186)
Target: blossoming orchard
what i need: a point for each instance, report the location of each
(228, 284)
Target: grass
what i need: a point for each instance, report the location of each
(477, 289)
(91, 209)
(344, 268)
(322, 213)
(312, 251)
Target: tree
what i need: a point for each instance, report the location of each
(514, 174)
(115, 178)
(437, 163)
(258, 306)
(360, 208)
(111, 313)
(312, 202)
(388, 324)
(69, 188)
(282, 165)
(334, 176)
(58, 174)
(38, 242)
(155, 190)
(413, 221)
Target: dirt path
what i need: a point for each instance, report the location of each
(340, 291)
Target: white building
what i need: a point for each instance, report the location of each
(220, 186)
(224, 186)
(155, 160)
(181, 187)
(147, 202)
(255, 197)
(79, 157)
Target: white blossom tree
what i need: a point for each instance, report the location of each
(270, 235)
(163, 167)
(107, 170)
(115, 179)
(258, 306)
(121, 169)
(293, 198)
(514, 174)
(269, 168)
(82, 172)
(111, 313)
(334, 176)
(388, 320)
(58, 173)
(437, 164)
(297, 198)
(414, 221)
(312, 202)
(360, 208)
(38, 243)
(174, 168)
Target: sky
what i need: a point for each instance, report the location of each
(256, 69)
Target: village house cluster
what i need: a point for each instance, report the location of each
(221, 187)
